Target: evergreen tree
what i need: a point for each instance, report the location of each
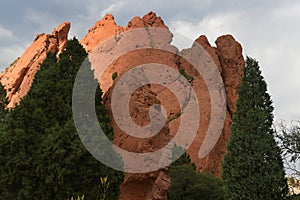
(44, 157)
(3, 101)
(253, 167)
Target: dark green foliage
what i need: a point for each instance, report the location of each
(14, 62)
(188, 77)
(294, 197)
(176, 116)
(183, 159)
(187, 184)
(253, 167)
(41, 155)
(114, 75)
(3, 102)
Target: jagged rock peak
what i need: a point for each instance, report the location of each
(18, 77)
(102, 30)
(107, 27)
(150, 20)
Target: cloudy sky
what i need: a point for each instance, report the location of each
(267, 29)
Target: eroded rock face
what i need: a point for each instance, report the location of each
(101, 31)
(18, 77)
(227, 57)
(153, 185)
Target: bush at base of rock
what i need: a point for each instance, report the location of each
(187, 184)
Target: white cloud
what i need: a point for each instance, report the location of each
(35, 16)
(5, 33)
(288, 11)
(43, 21)
(9, 54)
(112, 8)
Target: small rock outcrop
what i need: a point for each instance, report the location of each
(18, 77)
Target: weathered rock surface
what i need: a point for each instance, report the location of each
(18, 77)
(153, 185)
(101, 31)
(227, 56)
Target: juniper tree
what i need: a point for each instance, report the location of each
(253, 167)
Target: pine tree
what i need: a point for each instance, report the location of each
(44, 156)
(253, 167)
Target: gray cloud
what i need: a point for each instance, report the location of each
(267, 30)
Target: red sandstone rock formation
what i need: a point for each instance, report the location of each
(18, 77)
(227, 56)
(230, 62)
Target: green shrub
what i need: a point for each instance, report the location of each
(114, 75)
(187, 184)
